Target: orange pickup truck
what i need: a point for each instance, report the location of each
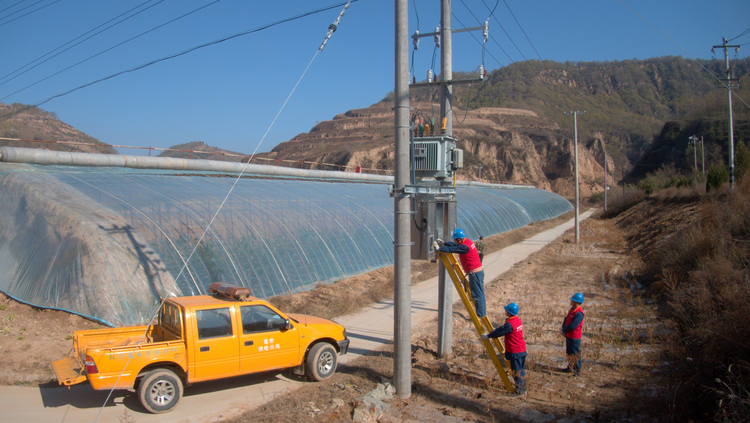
(202, 338)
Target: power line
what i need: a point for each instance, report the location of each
(85, 39)
(501, 27)
(172, 56)
(25, 14)
(21, 10)
(11, 6)
(480, 43)
(743, 33)
(522, 30)
(113, 47)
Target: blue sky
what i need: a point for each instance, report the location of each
(228, 94)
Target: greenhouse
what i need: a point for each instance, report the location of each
(107, 242)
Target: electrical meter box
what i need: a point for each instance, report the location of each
(436, 157)
(433, 218)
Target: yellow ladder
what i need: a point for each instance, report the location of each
(483, 325)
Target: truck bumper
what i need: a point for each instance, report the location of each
(344, 346)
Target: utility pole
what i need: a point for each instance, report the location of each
(605, 178)
(730, 83)
(480, 172)
(443, 36)
(703, 156)
(402, 211)
(694, 140)
(575, 148)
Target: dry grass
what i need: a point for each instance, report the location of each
(621, 349)
(702, 272)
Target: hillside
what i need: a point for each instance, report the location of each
(27, 124)
(516, 130)
(627, 101)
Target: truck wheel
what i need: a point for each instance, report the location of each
(321, 362)
(160, 391)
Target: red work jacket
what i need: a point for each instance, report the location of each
(470, 260)
(576, 333)
(514, 342)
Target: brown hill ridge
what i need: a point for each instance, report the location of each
(30, 124)
(511, 146)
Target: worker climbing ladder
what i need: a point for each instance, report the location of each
(483, 325)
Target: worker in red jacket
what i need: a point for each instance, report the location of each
(515, 346)
(469, 257)
(571, 330)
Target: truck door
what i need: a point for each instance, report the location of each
(265, 343)
(216, 346)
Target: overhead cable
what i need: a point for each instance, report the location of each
(747, 31)
(113, 47)
(172, 56)
(12, 6)
(519, 25)
(85, 39)
(229, 193)
(501, 27)
(480, 43)
(28, 13)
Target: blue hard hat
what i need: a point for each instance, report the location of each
(458, 234)
(512, 308)
(577, 297)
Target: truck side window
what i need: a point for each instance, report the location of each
(259, 318)
(214, 323)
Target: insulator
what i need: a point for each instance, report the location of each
(429, 76)
(437, 36)
(415, 39)
(481, 71)
(486, 30)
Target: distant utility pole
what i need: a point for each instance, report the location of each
(703, 156)
(480, 172)
(730, 83)
(575, 148)
(605, 178)
(694, 140)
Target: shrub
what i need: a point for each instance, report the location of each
(647, 184)
(716, 177)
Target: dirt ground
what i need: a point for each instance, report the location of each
(622, 378)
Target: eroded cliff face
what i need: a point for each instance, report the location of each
(511, 145)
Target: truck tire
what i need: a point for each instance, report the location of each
(160, 391)
(321, 362)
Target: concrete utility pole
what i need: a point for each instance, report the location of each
(703, 155)
(605, 179)
(694, 140)
(445, 289)
(402, 211)
(575, 126)
(730, 83)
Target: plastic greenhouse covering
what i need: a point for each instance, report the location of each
(106, 243)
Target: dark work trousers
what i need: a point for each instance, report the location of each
(573, 351)
(518, 369)
(476, 284)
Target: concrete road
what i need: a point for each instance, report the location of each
(368, 330)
